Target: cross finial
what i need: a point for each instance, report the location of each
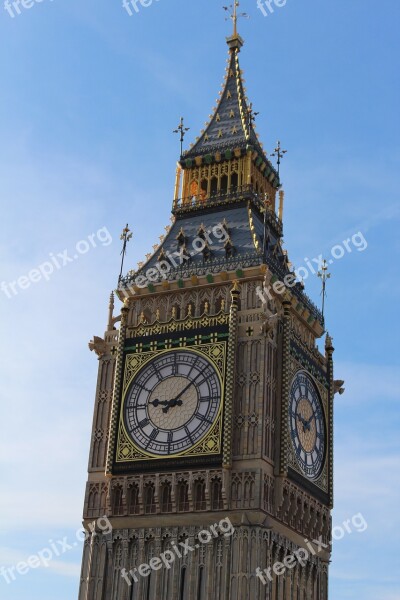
(279, 153)
(234, 15)
(182, 130)
(324, 275)
(125, 236)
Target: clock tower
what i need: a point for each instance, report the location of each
(212, 444)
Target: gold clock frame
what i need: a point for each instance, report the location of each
(211, 442)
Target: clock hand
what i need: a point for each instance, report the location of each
(303, 421)
(308, 423)
(175, 401)
(171, 404)
(188, 386)
(156, 403)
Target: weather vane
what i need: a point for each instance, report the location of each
(233, 14)
(183, 131)
(324, 275)
(251, 115)
(125, 236)
(279, 153)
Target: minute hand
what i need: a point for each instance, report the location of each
(188, 386)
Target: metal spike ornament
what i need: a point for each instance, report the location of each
(324, 276)
(183, 131)
(234, 15)
(125, 236)
(279, 153)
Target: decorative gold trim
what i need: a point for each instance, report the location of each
(190, 322)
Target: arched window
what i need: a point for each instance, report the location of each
(214, 186)
(234, 181)
(183, 496)
(149, 500)
(203, 189)
(176, 311)
(216, 495)
(117, 500)
(224, 184)
(199, 495)
(133, 499)
(151, 579)
(93, 503)
(182, 590)
(167, 578)
(133, 560)
(166, 501)
(201, 584)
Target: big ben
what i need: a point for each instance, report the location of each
(212, 442)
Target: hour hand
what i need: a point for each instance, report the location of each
(156, 403)
(303, 421)
(171, 403)
(308, 423)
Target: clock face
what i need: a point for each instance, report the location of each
(307, 426)
(172, 403)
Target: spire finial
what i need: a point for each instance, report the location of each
(234, 15)
(125, 236)
(279, 153)
(182, 130)
(324, 275)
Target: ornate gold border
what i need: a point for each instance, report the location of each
(210, 443)
(188, 323)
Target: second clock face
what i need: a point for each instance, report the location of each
(307, 426)
(173, 402)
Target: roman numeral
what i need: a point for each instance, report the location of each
(203, 418)
(192, 367)
(152, 437)
(188, 434)
(208, 398)
(142, 387)
(157, 374)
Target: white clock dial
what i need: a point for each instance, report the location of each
(172, 403)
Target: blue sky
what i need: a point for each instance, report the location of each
(89, 99)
